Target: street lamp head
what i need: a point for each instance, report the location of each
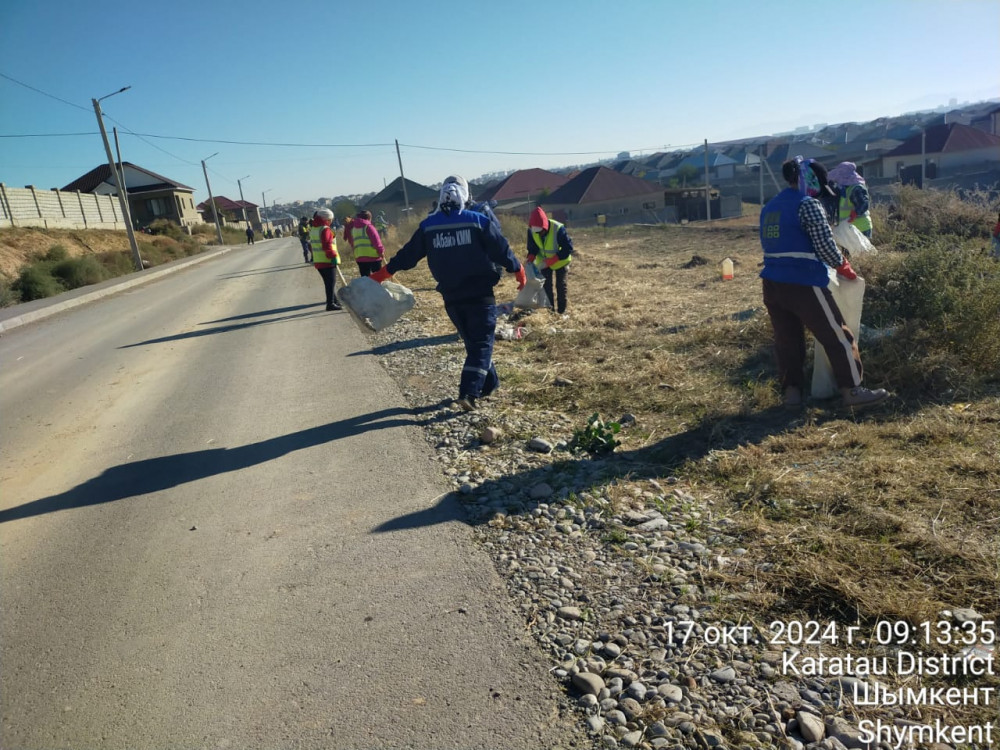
(123, 88)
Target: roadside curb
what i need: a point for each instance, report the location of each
(29, 312)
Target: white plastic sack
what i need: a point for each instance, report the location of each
(850, 238)
(849, 295)
(533, 295)
(376, 306)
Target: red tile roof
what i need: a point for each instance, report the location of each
(600, 184)
(521, 184)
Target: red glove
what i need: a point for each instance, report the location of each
(854, 215)
(552, 261)
(846, 271)
(380, 275)
(530, 259)
(521, 277)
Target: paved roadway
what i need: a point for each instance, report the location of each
(192, 471)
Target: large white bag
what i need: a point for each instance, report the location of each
(850, 238)
(849, 295)
(533, 295)
(373, 305)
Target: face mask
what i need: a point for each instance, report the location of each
(536, 230)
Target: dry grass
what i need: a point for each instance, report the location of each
(887, 514)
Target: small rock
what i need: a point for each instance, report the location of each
(490, 435)
(569, 613)
(588, 682)
(540, 445)
(810, 726)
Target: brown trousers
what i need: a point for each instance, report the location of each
(795, 307)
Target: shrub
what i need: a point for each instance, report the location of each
(941, 302)
(76, 272)
(37, 282)
(8, 295)
(168, 229)
(56, 253)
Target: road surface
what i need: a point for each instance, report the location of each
(192, 474)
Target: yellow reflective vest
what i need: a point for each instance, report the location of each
(547, 247)
(364, 251)
(316, 244)
(863, 222)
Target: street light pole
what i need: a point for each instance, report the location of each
(119, 186)
(211, 199)
(240, 183)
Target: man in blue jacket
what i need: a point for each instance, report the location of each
(798, 249)
(466, 255)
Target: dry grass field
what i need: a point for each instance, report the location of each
(888, 513)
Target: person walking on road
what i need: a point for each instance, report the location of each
(798, 249)
(249, 235)
(366, 242)
(466, 255)
(551, 250)
(325, 258)
(303, 234)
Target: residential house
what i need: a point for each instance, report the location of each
(150, 196)
(942, 150)
(230, 211)
(602, 192)
(394, 202)
(519, 192)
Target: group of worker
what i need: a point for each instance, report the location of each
(466, 254)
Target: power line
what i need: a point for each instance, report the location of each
(43, 93)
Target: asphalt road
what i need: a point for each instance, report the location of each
(192, 473)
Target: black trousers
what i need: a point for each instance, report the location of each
(329, 281)
(368, 267)
(560, 274)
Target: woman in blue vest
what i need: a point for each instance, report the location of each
(798, 250)
(466, 255)
(551, 250)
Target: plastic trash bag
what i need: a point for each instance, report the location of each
(850, 238)
(533, 295)
(849, 295)
(376, 306)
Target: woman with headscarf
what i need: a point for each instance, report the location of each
(855, 203)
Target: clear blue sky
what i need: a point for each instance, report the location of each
(552, 77)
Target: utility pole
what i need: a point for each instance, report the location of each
(240, 183)
(708, 186)
(121, 164)
(402, 179)
(211, 199)
(122, 200)
(263, 200)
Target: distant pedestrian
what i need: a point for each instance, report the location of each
(325, 258)
(303, 232)
(854, 201)
(798, 249)
(551, 250)
(366, 243)
(249, 235)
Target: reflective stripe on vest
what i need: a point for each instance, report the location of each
(316, 244)
(547, 248)
(363, 248)
(863, 222)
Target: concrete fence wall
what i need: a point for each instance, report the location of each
(55, 209)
